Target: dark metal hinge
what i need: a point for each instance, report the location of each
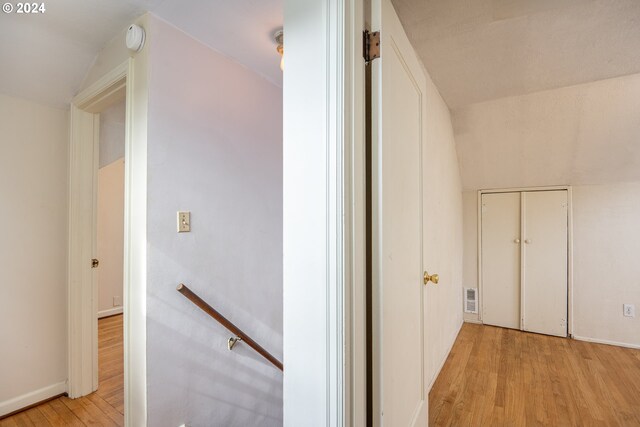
(371, 45)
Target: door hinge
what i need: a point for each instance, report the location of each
(371, 45)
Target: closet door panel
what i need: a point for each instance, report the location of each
(545, 258)
(501, 259)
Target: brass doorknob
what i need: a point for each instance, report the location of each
(433, 278)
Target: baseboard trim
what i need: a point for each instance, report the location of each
(476, 321)
(607, 342)
(444, 359)
(27, 400)
(110, 312)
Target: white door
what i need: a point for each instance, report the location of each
(544, 233)
(398, 85)
(501, 259)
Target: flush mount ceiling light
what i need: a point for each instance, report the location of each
(279, 38)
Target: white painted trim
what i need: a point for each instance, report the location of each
(520, 189)
(337, 140)
(20, 402)
(110, 312)
(569, 190)
(523, 257)
(83, 186)
(355, 216)
(111, 84)
(479, 254)
(607, 342)
(135, 238)
(570, 261)
(444, 359)
(317, 202)
(82, 311)
(94, 250)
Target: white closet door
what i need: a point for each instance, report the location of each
(545, 262)
(398, 86)
(501, 259)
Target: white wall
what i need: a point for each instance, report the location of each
(470, 245)
(110, 237)
(33, 252)
(215, 149)
(585, 136)
(442, 210)
(112, 54)
(606, 227)
(112, 132)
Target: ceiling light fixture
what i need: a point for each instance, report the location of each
(279, 37)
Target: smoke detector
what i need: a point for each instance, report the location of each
(135, 38)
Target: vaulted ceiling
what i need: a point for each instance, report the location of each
(475, 50)
(478, 50)
(45, 57)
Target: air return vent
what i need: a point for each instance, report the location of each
(470, 300)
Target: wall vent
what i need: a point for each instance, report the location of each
(471, 300)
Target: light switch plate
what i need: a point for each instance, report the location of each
(116, 301)
(629, 310)
(184, 222)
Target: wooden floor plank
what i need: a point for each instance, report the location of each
(37, 417)
(64, 412)
(51, 415)
(105, 407)
(504, 377)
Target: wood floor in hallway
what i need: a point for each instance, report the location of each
(502, 377)
(105, 407)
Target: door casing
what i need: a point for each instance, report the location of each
(129, 79)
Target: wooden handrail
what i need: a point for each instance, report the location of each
(191, 296)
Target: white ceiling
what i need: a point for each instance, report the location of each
(45, 57)
(477, 50)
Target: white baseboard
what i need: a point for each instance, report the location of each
(599, 341)
(17, 403)
(476, 321)
(444, 359)
(110, 312)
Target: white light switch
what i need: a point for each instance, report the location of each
(184, 222)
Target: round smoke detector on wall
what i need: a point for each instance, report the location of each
(135, 38)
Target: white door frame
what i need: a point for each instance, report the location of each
(354, 93)
(324, 214)
(569, 244)
(131, 78)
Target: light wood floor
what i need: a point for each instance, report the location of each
(503, 377)
(105, 407)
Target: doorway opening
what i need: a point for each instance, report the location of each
(125, 374)
(110, 256)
